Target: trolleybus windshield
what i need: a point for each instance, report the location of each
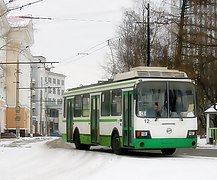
(162, 99)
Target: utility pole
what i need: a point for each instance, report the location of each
(17, 118)
(31, 123)
(40, 123)
(148, 50)
(113, 61)
(47, 125)
(148, 34)
(17, 109)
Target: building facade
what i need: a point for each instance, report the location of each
(4, 29)
(18, 58)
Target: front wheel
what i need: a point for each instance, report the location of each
(77, 142)
(168, 151)
(116, 144)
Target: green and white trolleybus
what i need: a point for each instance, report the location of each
(147, 108)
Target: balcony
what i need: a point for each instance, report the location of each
(33, 92)
(33, 81)
(33, 105)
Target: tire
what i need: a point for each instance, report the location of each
(116, 144)
(77, 142)
(85, 146)
(168, 151)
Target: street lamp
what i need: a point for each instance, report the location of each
(17, 118)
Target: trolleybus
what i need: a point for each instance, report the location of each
(147, 108)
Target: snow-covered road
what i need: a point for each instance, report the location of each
(52, 159)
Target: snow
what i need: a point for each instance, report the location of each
(49, 158)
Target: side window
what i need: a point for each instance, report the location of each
(77, 106)
(116, 104)
(105, 103)
(86, 105)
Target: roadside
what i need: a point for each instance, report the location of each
(57, 142)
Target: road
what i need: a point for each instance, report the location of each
(155, 153)
(197, 152)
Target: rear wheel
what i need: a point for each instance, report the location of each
(116, 144)
(168, 151)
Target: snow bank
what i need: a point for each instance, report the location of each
(59, 143)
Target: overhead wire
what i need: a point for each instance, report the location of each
(85, 53)
(64, 19)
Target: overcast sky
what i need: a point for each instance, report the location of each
(78, 26)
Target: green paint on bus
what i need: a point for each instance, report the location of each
(158, 143)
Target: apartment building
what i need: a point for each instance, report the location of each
(48, 89)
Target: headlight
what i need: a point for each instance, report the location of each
(192, 134)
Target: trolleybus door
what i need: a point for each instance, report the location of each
(69, 117)
(127, 118)
(94, 127)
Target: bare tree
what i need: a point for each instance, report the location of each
(131, 48)
(196, 51)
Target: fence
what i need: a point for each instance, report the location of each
(212, 135)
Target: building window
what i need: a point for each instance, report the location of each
(54, 90)
(62, 82)
(62, 92)
(58, 81)
(54, 81)
(59, 101)
(49, 80)
(58, 91)
(45, 79)
(54, 113)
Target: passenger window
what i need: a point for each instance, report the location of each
(86, 105)
(105, 103)
(116, 105)
(78, 106)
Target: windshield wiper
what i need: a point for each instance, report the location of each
(157, 115)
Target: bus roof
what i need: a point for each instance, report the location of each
(154, 72)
